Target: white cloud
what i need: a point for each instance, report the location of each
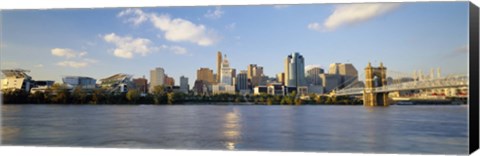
(67, 53)
(74, 64)
(281, 6)
(348, 14)
(214, 14)
(127, 46)
(175, 49)
(137, 16)
(174, 29)
(314, 26)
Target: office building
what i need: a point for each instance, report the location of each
(313, 76)
(226, 84)
(141, 84)
(205, 74)
(295, 70)
(169, 81)
(254, 73)
(242, 82)
(330, 81)
(219, 67)
(281, 78)
(157, 78)
(184, 87)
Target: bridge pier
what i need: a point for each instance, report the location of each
(375, 77)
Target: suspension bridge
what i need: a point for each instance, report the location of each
(375, 89)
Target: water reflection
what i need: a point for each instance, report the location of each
(231, 129)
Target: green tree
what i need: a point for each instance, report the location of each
(133, 95)
(79, 95)
(158, 94)
(172, 97)
(98, 96)
(37, 97)
(269, 101)
(319, 100)
(60, 93)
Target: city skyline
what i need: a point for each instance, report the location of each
(71, 42)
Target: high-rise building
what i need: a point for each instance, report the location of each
(226, 74)
(330, 81)
(254, 73)
(295, 70)
(169, 81)
(205, 74)
(184, 87)
(141, 84)
(281, 78)
(242, 82)
(157, 77)
(347, 72)
(219, 66)
(313, 76)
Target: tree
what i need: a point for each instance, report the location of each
(319, 99)
(269, 101)
(60, 93)
(158, 94)
(98, 96)
(172, 98)
(79, 95)
(37, 97)
(133, 95)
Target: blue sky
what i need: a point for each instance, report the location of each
(104, 41)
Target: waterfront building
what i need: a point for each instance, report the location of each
(226, 74)
(79, 81)
(16, 79)
(295, 72)
(348, 73)
(226, 80)
(169, 81)
(41, 85)
(257, 90)
(275, 89)
(254, 73)
(295, 66)
(242, 82)
(317, 89)
(157, 77)
(281, 78)
(118, 83)
(184, 87)
(141, 84)
(330, 81)
(219, 67)
(205, 74)
(202, 87)
(313, 76)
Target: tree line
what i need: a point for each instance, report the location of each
(60, 94)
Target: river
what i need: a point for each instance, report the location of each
(394, 129)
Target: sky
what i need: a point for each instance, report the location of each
(100, 42)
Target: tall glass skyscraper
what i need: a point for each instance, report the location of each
(295, 70)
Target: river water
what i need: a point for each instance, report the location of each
(394, 129)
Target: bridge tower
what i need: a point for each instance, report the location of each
(375, 77)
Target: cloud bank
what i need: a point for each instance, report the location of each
(348, 14)
(127, 46)
(174, 29)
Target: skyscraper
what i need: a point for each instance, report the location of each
(219, 66)
(169, 81)
(184, 87)
(226, 74)
(347, 73)
(242, 81)
(313, 76)
(295, 70)
(157, 77)
(254, 73)
(205, 74)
